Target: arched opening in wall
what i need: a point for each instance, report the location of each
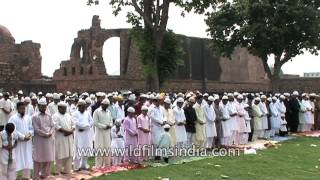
(90, 70)
(73, 70)
(81, 70)
(111, 56)
(81, 53)
(65, 71)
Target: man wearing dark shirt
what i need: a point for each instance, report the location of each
(191, 118)
(100, 98)
(294, 106)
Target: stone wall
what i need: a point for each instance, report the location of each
(201, 68)
(18, 61)
(309, 85)
(28, 86)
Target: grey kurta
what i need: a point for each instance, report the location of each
(43, 147)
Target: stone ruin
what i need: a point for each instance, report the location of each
(20, 64)
(201, 67)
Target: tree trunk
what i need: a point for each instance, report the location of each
(276, 72)
(277, 67)
(266, 67)
(153, 80)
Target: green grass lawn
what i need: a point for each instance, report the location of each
(294, 159)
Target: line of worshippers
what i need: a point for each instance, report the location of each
(41, 130)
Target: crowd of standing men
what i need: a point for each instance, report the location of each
(39, 130)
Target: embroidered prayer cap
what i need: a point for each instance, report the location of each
(20, 92)
(88, 100)
(240, 96)
(180, 100)
(211, 98)
(144, 108)
(56, 96)
(167, 101)
(131, 110)
(191, 99)
(42, 101)
(166, 126)
(62, 104)
(81, 102)
(27, 99)
(132, 97)
(105, 101)
(34, 97)
(225, 98)
(295, 93)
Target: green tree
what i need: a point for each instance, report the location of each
(283, 28)
(149, 19)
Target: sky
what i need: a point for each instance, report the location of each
(55, 23)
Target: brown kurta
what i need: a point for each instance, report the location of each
(43, 147)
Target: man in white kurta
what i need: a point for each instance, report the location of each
(309, 114)
(275, 116)
(257, 121)
(302, 115)
(33, 106)
(282, 109)
(180, 120)
(64, 126)
(233, 118)
(200, 123)
(157, 121)
(103, 123)
(8, 143)
(83, 135)
(240, 120)
(169, 116)
(23, 151)
(210, 125)
(6, 110)
(263, 108)
(53, 106)
(226, 129)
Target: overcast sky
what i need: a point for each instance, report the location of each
(55, 23)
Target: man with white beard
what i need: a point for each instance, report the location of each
(83, 135)
(210, 116)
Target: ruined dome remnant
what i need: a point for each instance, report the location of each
(5, 36)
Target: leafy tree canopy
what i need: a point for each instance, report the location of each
(284, 28)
